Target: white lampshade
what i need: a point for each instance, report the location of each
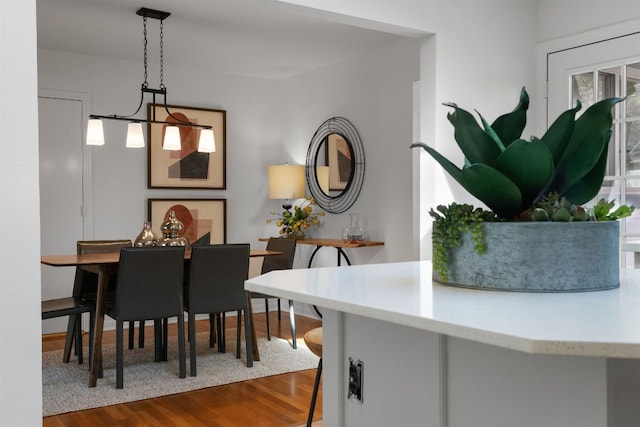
(207, 142)
(322, 174)
(135, 138)
(286, 181)
(171, 138)
(95, 133)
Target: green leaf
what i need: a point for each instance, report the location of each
(622, 212)
(529, 165)
(477, 146)
(494, 189)
(558, 135)
(444, 162)
(589, 185)
(489, 131)
(585, 147)
(509, 126)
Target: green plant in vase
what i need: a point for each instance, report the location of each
(293, 224)
(525, 180)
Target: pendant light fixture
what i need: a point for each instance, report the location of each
(135, 138)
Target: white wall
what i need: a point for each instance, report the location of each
(20, 360)
(480, 55)
(374, 92)
(268, 122)
(557, 19)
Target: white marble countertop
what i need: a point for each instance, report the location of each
(600, 324)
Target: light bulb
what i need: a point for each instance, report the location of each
(95, 133)
(207, 142)
(171, 138)
(135, 138)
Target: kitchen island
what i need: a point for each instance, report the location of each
(442, 356)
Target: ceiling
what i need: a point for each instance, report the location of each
(256, 38)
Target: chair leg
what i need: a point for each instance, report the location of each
(212, 330)
(223, 319)
(248, 337)
(119, 354)
(314, 396)
(132, 327)
(266, 313)
(70, 338)
(92, 323)
(141, 334)
(221, 336)
(279, 317)
(238, 333)
(292, 321)
(165, 339)
(192, 342)
(157, 340)
(181, 350)
(78, 334)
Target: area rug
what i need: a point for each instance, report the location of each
(64, 385)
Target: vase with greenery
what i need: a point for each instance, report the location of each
(293, 224)
(519, 180)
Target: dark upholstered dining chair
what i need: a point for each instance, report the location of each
(216, 285)
(73, 307)
(279, 262)
(82, 299)
(149, 287)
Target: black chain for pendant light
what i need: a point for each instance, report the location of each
(161, 90)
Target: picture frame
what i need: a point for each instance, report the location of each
(339, 160)
(204, 220)
(186, 168)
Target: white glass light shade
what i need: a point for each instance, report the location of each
(207, 142)
(322, 174)
(286, 181)
(95, 133)
(135, 138)
(171, 138)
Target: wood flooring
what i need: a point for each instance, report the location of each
(278, 401)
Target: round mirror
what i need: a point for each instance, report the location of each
(335, 165)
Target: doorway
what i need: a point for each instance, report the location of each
(64, 184)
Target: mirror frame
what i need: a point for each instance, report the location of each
(344, 200)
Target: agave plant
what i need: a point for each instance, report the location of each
(510, 174)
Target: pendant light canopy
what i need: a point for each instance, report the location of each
(135, 137)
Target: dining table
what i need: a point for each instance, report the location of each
(105, 265)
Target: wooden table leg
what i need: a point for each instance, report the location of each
(103, 284)
(254, 340)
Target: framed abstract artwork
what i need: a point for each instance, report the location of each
(204, 220)
(186, 168)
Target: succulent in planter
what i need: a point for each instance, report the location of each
(510, 174)
(543, 178)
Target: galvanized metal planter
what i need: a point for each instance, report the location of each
(539, 257)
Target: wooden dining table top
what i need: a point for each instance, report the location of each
(114, 258)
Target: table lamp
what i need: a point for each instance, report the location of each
(286, 182)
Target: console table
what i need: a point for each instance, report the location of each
(339, 244)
